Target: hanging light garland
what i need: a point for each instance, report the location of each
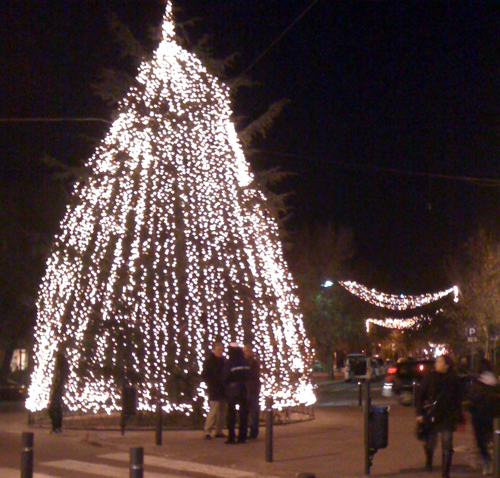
(396, 302)
(399, 324)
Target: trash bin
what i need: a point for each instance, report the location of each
(129, 400)
(379, 427)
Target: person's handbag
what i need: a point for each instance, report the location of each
(430, 411)
(423, 430)
(424, 427)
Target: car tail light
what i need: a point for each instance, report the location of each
(421, 368)
(391, 370)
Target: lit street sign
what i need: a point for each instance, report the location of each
(472, 334)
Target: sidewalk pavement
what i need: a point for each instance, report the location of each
(329, 446)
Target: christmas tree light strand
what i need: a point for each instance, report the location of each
(166, 247)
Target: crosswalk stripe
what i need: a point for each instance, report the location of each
(90, 468)
(12, 473)
(179, 465)
(108, 471)
(99, 469)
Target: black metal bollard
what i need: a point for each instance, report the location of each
(136, 462)
(360, 394)
(414, 393)
(129, 405)
(269, 429)
(122, 423)
(27, 440)
(159, 423)
(368, 404)
(496, 448)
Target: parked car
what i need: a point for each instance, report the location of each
(355, 367)
(11, 391)
(402, 378)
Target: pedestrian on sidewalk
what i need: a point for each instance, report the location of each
(57, 392)
(340, 360)
(213, 375)
(440, 403)
(484, 404)
(253, 387)
(236, 374)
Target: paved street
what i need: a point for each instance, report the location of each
(342, 394)
(331, 445)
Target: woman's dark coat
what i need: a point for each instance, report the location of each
(447, 389)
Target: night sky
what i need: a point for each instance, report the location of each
(394, 107)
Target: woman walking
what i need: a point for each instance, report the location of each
(440, 404)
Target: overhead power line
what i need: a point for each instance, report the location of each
(269, 48)
(404, 172)
(279, 37)
(52, 120)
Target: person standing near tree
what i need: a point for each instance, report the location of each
(212, 375)
(253, 387)
(441, 391)
(56, 395)
(236, 375)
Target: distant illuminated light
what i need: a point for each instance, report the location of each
(396, 302)
(408, 323)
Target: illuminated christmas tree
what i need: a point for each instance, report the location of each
(167, 247)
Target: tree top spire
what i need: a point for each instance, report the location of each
(168, 31)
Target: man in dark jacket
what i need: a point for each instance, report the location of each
(212, 375)
(236, 374)
(57, 392)
(441, 390)
(253, 386)
(484, 403)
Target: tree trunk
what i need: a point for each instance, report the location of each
(6, 360)
(329, 365)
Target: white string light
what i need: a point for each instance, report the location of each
(167, 248)
(396, 302)
(400, 324)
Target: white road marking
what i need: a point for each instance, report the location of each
(103, 470)
(188, 466)
(12, 473)
(90, 468)
(100, 469)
